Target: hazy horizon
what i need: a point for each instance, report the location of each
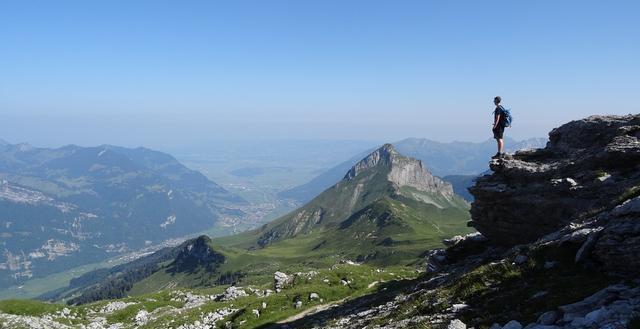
(183, 74)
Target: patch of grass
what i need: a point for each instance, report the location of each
(628, 194)
(125, 315)
(28, 307)
(600, 173)
(482, 280)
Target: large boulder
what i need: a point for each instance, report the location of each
(618, 244)
(588, 167)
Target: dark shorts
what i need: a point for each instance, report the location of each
(498, 132)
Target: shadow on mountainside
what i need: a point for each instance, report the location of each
(386, 292)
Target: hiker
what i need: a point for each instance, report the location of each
(499, 123)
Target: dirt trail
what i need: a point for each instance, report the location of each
(312, 310)
(320, 308)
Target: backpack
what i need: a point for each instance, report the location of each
(507, 118)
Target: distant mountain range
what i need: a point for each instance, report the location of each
(73, 205)
(443, 159)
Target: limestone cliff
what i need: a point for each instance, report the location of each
(403, 171)
(587, 176)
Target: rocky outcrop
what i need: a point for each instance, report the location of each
(197, 252)
(403, 171)
(617, 245)
(588, 168)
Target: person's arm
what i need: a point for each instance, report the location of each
(496, 119)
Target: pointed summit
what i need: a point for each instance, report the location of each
(382, 156)
(402, 171)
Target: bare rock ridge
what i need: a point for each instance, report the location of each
(404, 171)
(587, 177)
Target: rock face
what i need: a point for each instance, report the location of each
(618, 243)
(404, 171)
(197, 252)
(588, 167)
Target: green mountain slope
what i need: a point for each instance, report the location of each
(388, 209)
(74, 205)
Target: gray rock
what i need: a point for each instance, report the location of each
(521, 259)
(314, 296)
(548, 318)
(233, 293)
(596, 316)
(435, 259)
(539, 294)
(619, 242)
(281, 280)
(513, 324)
(495, 326)
(452, 240)
(587, 246)
(456, 324)
(537, 192)
(297, 304)
(578, 322)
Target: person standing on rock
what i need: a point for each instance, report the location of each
(499, 123)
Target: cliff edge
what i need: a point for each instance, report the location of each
(588, 177)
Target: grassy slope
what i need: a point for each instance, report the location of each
(279, 306)
(397, 231)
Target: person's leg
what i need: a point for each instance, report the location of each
(501, 146)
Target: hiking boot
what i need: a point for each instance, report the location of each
(497, 156)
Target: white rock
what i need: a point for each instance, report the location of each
(456, 324)
(233, 293)
(314, 296)
(256, 313)
(455, 308)
(114, 306)
(280, 280)
(142, 317)
(297, 304)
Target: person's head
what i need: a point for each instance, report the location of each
(497, 100)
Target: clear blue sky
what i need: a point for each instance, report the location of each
(180, 72)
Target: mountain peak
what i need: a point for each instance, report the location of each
(402, 171)
(382, 156)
